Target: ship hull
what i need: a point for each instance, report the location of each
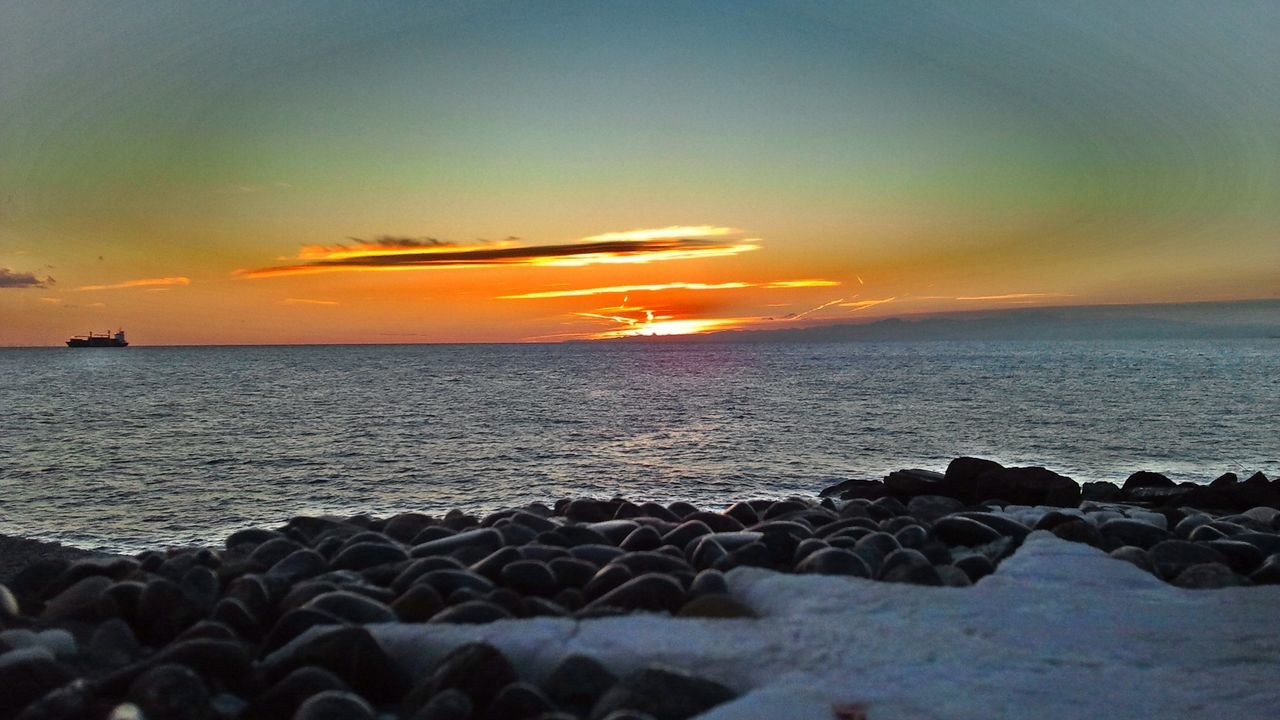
(95, 342)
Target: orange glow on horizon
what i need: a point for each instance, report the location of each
(144, 282)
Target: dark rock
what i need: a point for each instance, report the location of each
(446, 582)
(1207, 576)
(606, 580)
(886, 507)
(577, 682)
(477, 670)
(368, 554)
(903, 557)
(642, 538)
(233, 614)
(743, 513)
(448, 705)
(406, 526)
(963, 471)
(544, 553)
(717, 522)
(587, 511)
(1100, 492)
(530, 577)
(227, 662)
(417, 604)
(534, 522)
(164, 611)
(335, 705)
(975, 566)
(171, 692)
(1080, 531)
(429, 534)
(666, 694)
(572, 572)
(932, 507)
(651, 591)
(250, 537)
(27, 675)
(78, 602)
(273, 551)
(282, 699)
(297, 566)
(957, 530)
(1268, 543)
(1161, 496)
(483, 539)
(909, 483)
(834, 561)
(1135, 555)
(472, 612)
(1241, 557)
(596, 554)
(514, 534)
(1133, 532)
(353, 655)
(715, 606)
(708, 582)
(682, 509)
(615, 531)
(72, 701)
(1146, 479)
(652, 561)
(913, 575)
(517, 701)
(1170, 557)
(854, 488)
(684, 533)
(1002, 524)
(1268, 573)
(353, 607)
(1023, 486)
(112, 644)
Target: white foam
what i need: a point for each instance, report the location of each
(1060, 630)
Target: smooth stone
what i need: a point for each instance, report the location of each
(78, 602)
(879, 543)
(416, 569)
(1268, 573)
(833, 561)
(957, 530)
(225, 661)
(446, 582)
(57, 641)
(418, 604)
(932, 507)
(430, 533)
(273, 551)
(912, 536)
(614, 531)
(1135, 555)
(976, 566)
(164, 611)
(472, 612)
(1205, 533)
(486, 539)
(406, 526)
(577, 682)
(717, 522)
(72, 701)
(477, 670)
(112, 644)
(665, 694)
(653, 592)
(1268, 543)
(368, 554)
(743, 513)
(572, 572)
(952, 576)
(587, 510)
(233, 614)
(451, 704)
(597, 554)
(1241, 557)
(518, 701)
(650, 561)
(335, 705)
(353, 607)
(514, 534)
(577, 535)
(1002, 524)
(1133, 532)
(707, 553)
(684, 533)
(9, 607)
(171, 692)
(1207, 576)
(530, 577)
(353, 655)
(1146, 479)
(606, 580)
(282, 699)
(295, 622)
(715, 606)
(913, 575)
(297, 566)
(28, 674)
(708, 582)
(1170, 557)
(542, 552)
(251, 536)
(1077, 530)
(642, 538)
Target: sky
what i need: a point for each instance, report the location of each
(353, 172)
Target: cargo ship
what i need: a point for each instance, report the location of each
(106, 339)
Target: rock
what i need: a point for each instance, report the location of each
(652, 561)
(1023, 486)
(1002, 524)
(483, 539)
(27, 675)
(1268, 573)
(530, 577)
(335, 705)
(297, 566)
(717, 522)
(1078, 530)
(446, 582)
(1100, 492)
(72, 701)
(952, 576)
(577, 682)
(1170, 558)
(273, 551)
(975, 567)
(1146, 479)
(406, 526)
(957, 530)
(164, 611)
(932, 507)
(1133, 532)
(1135, 555)
(852, 488)
(368, 554)
(9, 607)
(572, 572)
(834, 561)
(517, 701)
(666, 694)
(1268, 543)
(642, 538)
(653, 592)
(227, 662)
(451, 704)
(78, 602)
(491, 565)
(588, 511)
(282, 699)
(1207, 576)
(596, 554)
(477, 670)
(685, 532)
(171, 692)
(353, 655)
(1241, 557)
(472, 612)
(353, 607)
(709, 582)
(609, 578)
(112, 644)
(717, 606)
(418, 604)
(909, 483)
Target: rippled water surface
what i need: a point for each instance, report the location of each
(145, 447)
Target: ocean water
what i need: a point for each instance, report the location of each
(148, 447)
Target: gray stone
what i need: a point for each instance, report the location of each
(666, 694)
(833, 561)
(353, 607)
(1170, 557)
(1133, 532)
(335, 705)
(171, 692)
(653, 592)
(1208, 576)
(956, 530)
(932, 507)
(472, 612)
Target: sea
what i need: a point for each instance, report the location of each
(145, 447)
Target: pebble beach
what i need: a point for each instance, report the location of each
(617, 609)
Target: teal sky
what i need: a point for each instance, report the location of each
(1085, 151)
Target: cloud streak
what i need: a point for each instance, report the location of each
(143, 282)
(583, 292)
(11, 279)
(305, 301)
(592, 251)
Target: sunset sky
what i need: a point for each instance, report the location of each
(281, 172)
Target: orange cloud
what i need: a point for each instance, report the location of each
(1015, 296)
(305, 301)
(667, 286)
(144, 282)
(592, 251)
